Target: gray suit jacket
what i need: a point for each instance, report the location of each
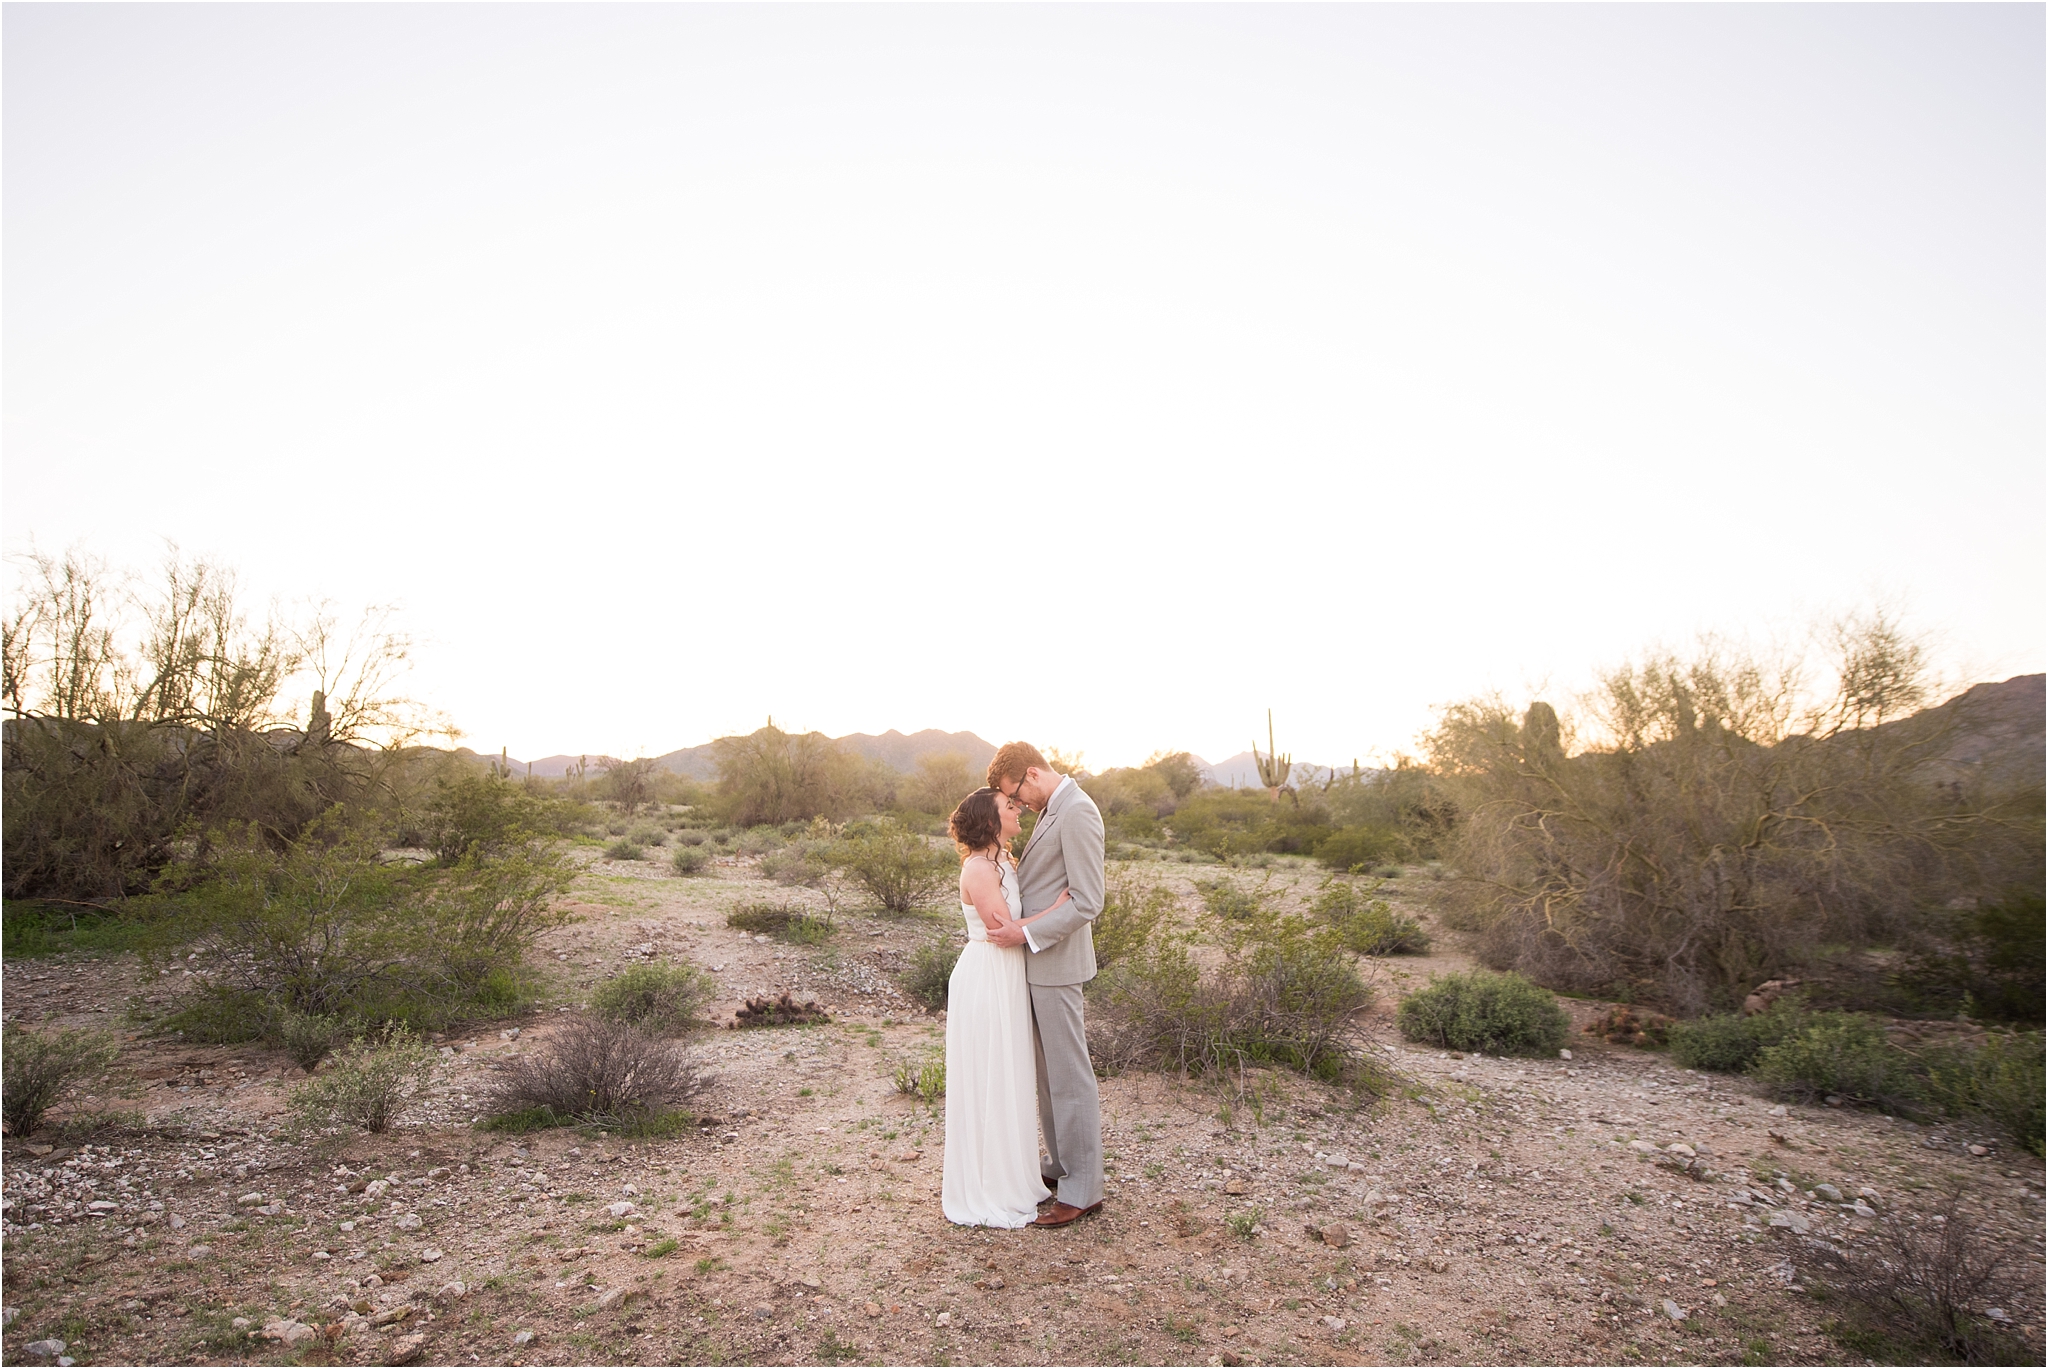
(1065, 852)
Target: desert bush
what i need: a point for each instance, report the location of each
(791, 922)
(308, 1038)
(772, 776)
(601, 1072)
(1285, 994)
(690, 836)
(367, 1083)
(1233, 823)
(899, 869)
(1702, 825)
(1845, 1054)
(1367, 925)
(663, 999)
(1226, 898)
(143, 712)
(1358, 848)
(1731, 1042)
(37, 1068)
(801, 864)
(924, 1080)
(938, 783)
(625, 848)
(1501, 1014)
(929, 974)
(1130, 914)
(1919, 1289)
(2000, 1078)
(482, 812)
(647, 834)
(326, 929)
(689, 860)
(1991, 963)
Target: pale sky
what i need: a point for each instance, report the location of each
(1101, 376)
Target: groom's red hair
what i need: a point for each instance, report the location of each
(1012, 760)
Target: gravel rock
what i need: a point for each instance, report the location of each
(523, 1338)
(43, 1349)
(406, 1349)
(1673, 1310)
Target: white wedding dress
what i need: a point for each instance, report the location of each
(991, 1170)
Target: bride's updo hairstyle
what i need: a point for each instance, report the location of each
(976, 824)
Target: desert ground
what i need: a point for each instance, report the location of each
(1480, 1210)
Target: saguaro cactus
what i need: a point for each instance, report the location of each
(1274, 768)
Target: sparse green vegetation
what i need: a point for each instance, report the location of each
(899, 869)
(930, 973)
(368, 1082)
(660, 998)
(38, 1068)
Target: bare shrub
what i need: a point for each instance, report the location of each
(1926, 1283)
(1699, 826)
(368, 1082)
(37, 1068)
(597, 1071)
(938, 783)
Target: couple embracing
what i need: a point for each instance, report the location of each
(1014, 1030)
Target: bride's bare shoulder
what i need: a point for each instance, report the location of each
(979, 875)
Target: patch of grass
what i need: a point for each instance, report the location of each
(662, 1249)
(923, 1080)
(30, 928)
(1245, 1225)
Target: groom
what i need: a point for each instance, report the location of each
(1065, 852)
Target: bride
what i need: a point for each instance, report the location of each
(991, 1169)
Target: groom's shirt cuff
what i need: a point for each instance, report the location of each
(1032, 941)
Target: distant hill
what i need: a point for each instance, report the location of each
(892, 748)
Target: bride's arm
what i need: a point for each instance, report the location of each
(982, 886)
(1066, 896)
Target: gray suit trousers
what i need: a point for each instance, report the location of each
(1069, 1106)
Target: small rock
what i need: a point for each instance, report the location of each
(249, 1199)
(450, 1291)
(1336, 1237)
(611, 1297)
(102, 1206)
(1643, 1147)
(1439, 1265)
(618, 1210)
(1355, 1168)
(406, 1349)
(241, 1323)
(198, 1252)
(1998, 1315)
(1681, 1149)
(177, 1222)
(409, 1222)
(1673, 1310)
(1564, 1055)
(1335, 1324)
(1794, 1221)
(1231, 1359)
(1834, 1100)
(1827, 1193)
(287, 1331)
(1720, 1301)
(1230, 1331)
(1337, 1160)
(523, 1338)
(1863, 1209)
(943, 1319)
(1778, 1111)
(510, 1034)
(1980, 1150)
(43, 1349)
(8, 1314)
(1236, 1186)
(430, 1255)
(873, 1309)
(391, 1316)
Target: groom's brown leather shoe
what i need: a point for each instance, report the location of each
(1060, 1214)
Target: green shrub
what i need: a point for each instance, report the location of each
(36, 1068)
(1729, 1041)
(1501, 1014)
(929, 974)
(924, 1080)
(1229, 900)
(663, 999)
(625, 848)
(219, 1015)
(1239, 822)
(1846, 1054)
(367, 1084)
(1358, 848)
(1130, 915)
(308, 1038)
(899, 869)
(1285, 994)
(692, 837)
(647, 834)
(2000, 1079)
(800, 864)
(1368, 926)
(689, 860)
(477, 811)
(790, 922)
(604, 1073)
(1995, 969)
